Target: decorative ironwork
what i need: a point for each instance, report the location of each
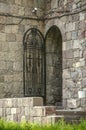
(34, 60)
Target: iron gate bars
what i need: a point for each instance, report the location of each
(34, 63)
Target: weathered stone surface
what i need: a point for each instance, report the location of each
(18, 2)
(44, 111)
(69, 36)
(68, 54)
(10, 37)
(2, 37)
(82, 16)
(73, 103)
(20, 109)
(13, 111)
(74, 35)
(72, 59)
(77, 53)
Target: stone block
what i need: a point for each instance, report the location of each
(76, 64)
(4, 8)
(0, 112)
(21, 11)
(9, 118)
(67, 63)
(4, 56)
(17, 66)
(8, 78)
(2, 28)
(2, 37)
(64, 46)
(10, 37)
(36, 101)
(8, 103)
(37, 120)
(73, 103)
(66, 73)
(8, 111)
(19, 2)
(54, 4)
(21, 29)
(76, 53)
(14, 9)
(25, 102)
(82, 63)
(13, 111)
(5, 47)
(1, 78)
(64, 103)
(74, 6)
(53, 119)
(14, 28)
(9, 20)
(44, 110)
(27, 111)
(69, 45)
(14, 102)
(1, 103)
(18, 77)
(64, 37)
(84, 72)
(83, 83)
(8, 29)
(23, 118)
(76, 44)
(4, 112)
(18, 110)
(83, 102)
(69, 37)
(19, 100)
(19, 37)
(74, 35)
(82, 16)
(75, 18)
(22, 110)
(68, 54)
(70, 27)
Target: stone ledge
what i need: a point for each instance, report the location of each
(19, 102)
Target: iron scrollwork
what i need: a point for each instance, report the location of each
(33, 63)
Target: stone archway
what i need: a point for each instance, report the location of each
(53, 41)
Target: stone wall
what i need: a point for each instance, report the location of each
(17, 16)
(14, 21)
(70, 18)
(27, 109)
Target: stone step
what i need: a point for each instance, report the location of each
(19, 102)
(52, 119)
(44, 110)
(71, 115)
(70, 112)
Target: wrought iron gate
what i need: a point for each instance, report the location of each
(33, 63)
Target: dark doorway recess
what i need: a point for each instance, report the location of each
(42, 65)
(53, 47)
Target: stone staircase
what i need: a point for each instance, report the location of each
(31, 109)
(72, 115)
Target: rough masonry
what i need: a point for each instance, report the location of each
(69, 16)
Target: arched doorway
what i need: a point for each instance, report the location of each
(42, 65)
(53, 47)
(34, 63)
